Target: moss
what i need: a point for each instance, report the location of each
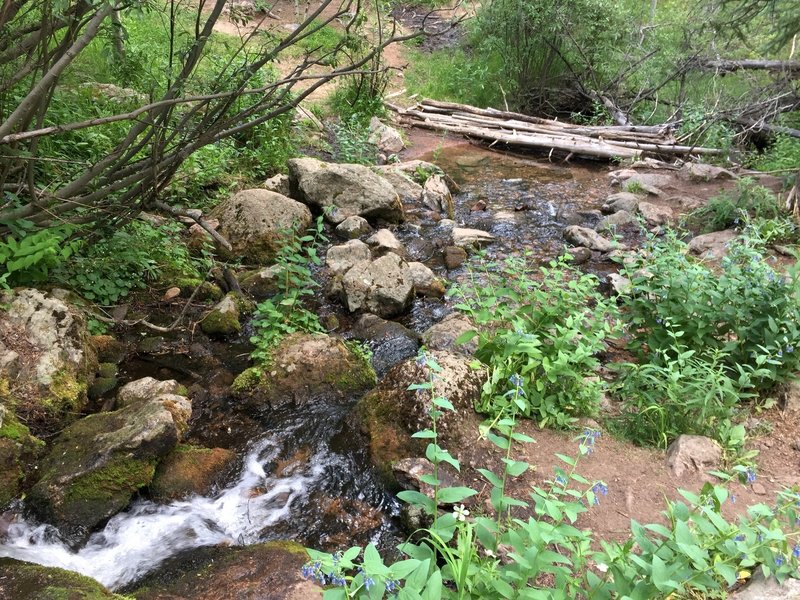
(248, 381)
(208, 292)
(223, 322)
(68, 394)
(243, 303)
(108, 349)
(26, 581)
(100, 386)
(107, 369)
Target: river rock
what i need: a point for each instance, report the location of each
(702, 173)
(426, 283)
(387, 139)
(655, 215)
(761, 588)
(652, 183)
(95, 465)
(306, 368)
(391, 413)
(714, 245)
(383, 287)
(190, 471)
(443, 335)
(383, 241)
(21, 580)
(467, 238)
(261, 283)
(353, 227)
(389, 341)
(693, 454)
(579, 255)
(349, 189)
(436, 195)
(18, 450)
(223, 320)
(587, 238)
(621, 201)
(615, 220)
(342, 258)
(46, 360)
(279, 184)
(409, 191)
(454, 257)
(256, 222)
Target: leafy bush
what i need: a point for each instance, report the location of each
(783, 154)
(546, 330)
(745, 313)
(28, 257)
(284, 313)
(728, 210)
(351, 142)
(696, 551)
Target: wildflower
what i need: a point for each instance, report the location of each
(561, 480)
(796, 552)
(460, 513)
(778, 560)
(422, 359)
(739, 538)
(789, 349)
(588, 438)
(751, 475)
(338, 580)
(515, 380)
(659, 320)
(392, 585)
(780, 353)
(733, 498)
(599, 489)
(368, 582)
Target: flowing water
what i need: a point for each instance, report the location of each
(527, 204)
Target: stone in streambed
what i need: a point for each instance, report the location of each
(389, 341)
(190, 471)
(383, 287)
(21, 580)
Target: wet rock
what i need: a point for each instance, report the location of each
(436, 195)
(190, 471)
(409, 191)
(712, 246)
(387, 139)
(279, 184)
(21, 580)
(467, 238)
(109, 349)
(347, 521)
(353, 227)
(261, 283)
(342, 258)
(391, 413)
(383, 287)
(223, 320)
(655, 215)
(689, 454)
(426, 283)
(350, 189)
(389, 341)
(443, 335)
(701, 172)
(47, 360)
(454, 257)
(269, 571)
(579, 255)
(587, 238)
(306, 368)
(761, 588)
(94, 466)
(18, 449)
(615, 220)
(255, 222)
(383, 241)
(621, 201)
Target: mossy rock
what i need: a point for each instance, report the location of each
(208, 292)
(27, 581)
(18, 449)
(189, 471)
(269, 571)
(109, 349)
(223, 320)
(304, 367)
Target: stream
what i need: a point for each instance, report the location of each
(527, 204)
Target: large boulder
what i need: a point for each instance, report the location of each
(18, 449)
(46, 360)
(712, 246)
(464, 237)
(343, 257)
(256, 223)
(621, 201)
(409, 191)
(391, 413)
(190, 471)
(343, 190)
(443, 335)
(95, 465)
(655, 215)
(425, 281)
(306, 368)
(269, 571)
(691, 454)
(387, 139)
(21, 580)
(383, 287)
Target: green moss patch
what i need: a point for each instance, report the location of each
(27, 581)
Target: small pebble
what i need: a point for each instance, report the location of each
(759, 489)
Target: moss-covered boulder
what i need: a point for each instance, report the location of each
(18, 448)
(224, 318)
(26, 581)
(391, 413)
(190, 471)
(46, 361)
(307, 368)
(94, 466)
(269, 571)
(257, 222)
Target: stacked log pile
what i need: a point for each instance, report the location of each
(515, 129)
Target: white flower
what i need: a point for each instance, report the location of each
(460, 513)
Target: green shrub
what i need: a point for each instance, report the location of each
(28, 257)
(782, 154)
(544, 327)
(744, 313)
(351, 142)
(727, 210)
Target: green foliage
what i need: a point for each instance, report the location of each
(351, 142)
(122, 261)
(284, 313)
(744, 314)
(782, 154)
(726, 210)
(696, 551)
(28, 256)
(544, 327)
(701, 129)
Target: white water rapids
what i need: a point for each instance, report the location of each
(138, 540)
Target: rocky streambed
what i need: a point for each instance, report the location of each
(189, 462)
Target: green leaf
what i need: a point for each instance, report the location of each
(451, 495)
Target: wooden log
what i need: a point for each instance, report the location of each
(791, 67)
